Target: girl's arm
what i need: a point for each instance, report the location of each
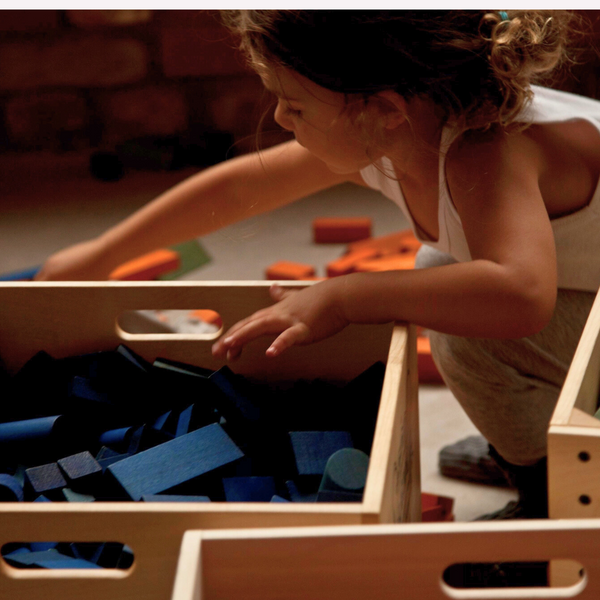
(212, 199)
(507, 290)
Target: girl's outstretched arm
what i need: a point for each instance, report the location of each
(214, 198)
(507, 290)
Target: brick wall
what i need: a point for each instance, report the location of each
(85, 80)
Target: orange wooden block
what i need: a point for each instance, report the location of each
(400, 241)
(289, 270)
(436, 508)
(208, 316)
(346, 264)
(340, 230)
(428, 372)
(148, 266)
(393, 262)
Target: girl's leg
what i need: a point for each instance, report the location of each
(509, 388)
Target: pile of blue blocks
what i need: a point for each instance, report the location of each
(111, 426)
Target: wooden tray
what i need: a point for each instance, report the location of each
(384, 562)
(73, 318)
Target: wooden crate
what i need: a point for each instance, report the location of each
(72, 318)
(384, 562)
(574, 433)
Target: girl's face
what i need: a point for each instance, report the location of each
(318, 119)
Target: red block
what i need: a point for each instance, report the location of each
(436, 508)
(290, 270)
(347, 263)
(393, 262)
(398, 242)
(148, 266)
(340, 230)
(428, 372)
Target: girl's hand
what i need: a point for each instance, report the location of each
(299, 317)
(81, 262)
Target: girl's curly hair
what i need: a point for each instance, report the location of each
(478, 66)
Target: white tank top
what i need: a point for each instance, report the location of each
(576, 235)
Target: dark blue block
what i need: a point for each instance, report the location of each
(126, 559)
(296, 495)
(42, 546)
(181, 368)
(312, 449)
(174, 498)
(139, 363)
(71, 563)
(183, 423)
(161, 421)
(11, 489)
(237, 399)
(144, 437)
(42, 498)
(82, 472)
(111, 460)
(104, 554)
(249, 489)
(175, 462)
(45, 479)
(33, 559)
(277, 498)
(106, 452)
(330, 496)
(25, 274)
(117, 439)
(33, 440)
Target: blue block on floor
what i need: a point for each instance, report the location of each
(175, 462)
(312, 449)
(249, 489)
(24, 274)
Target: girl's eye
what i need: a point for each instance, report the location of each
(293, 111)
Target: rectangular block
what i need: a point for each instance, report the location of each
(312, 449)
(340, 230)
(289, 270)
(148, 266)
(172, 463)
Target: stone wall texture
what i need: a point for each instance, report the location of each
(85, 80)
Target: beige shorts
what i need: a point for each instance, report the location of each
(509, 388)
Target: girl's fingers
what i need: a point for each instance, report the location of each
(278, 293)
(290, 337)
(233, 341)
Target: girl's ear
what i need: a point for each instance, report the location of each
(393, 108)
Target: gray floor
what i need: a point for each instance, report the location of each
(44, 209)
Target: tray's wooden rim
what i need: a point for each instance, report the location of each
(581, 378)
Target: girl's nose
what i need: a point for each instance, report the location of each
(281, 118)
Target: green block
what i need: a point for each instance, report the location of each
(192, 256)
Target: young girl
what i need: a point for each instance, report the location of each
(498, 178)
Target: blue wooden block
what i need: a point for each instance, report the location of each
(134, 359)
(42, 546)
(11, 489)
(181, 368)
(19, 550)
(331, 496)
(87, 396)
(126, 559)
(82, 472)
(173, 498)
(111, 460)
(237, 399)
(296, 495)
(144, 437)
(183, 423)
(71, 563)
(345, 471)
(45, 479)
(42, 498)
(21, 275)
(312, 449)
(17, 434)
(161, 421)
(180, 460)
(277, 498)
(249, 489)
(106, 452)
(33, 559)
(104, 554)
(117, 439)
(71, 496)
